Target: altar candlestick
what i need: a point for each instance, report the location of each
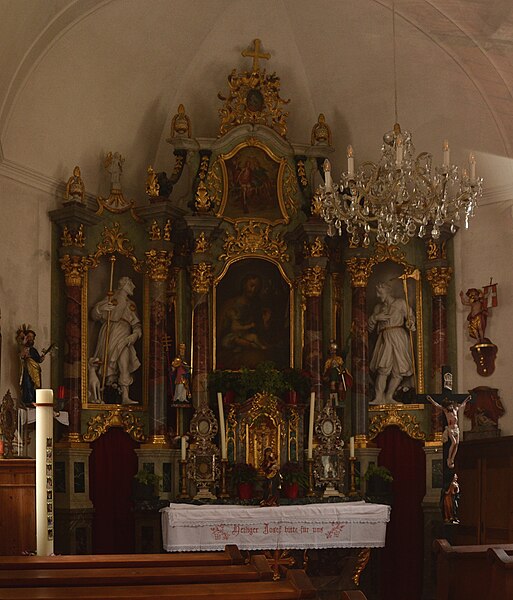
(311, 425)
(183, 448)
(222, 430)
(351, 447)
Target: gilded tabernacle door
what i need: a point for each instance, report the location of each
(253, 304)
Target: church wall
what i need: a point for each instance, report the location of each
(485, 250)
(25, 274)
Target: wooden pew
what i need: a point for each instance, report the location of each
(295, 586)
(257, 570)
(463, 572)
(230, 556)
(501, 584)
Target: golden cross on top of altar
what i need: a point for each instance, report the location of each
(255, 54)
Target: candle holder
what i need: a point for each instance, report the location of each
(352, 477)
(310, 492)
(224, 492)
(183, 481)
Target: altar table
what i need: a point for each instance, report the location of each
(187, 527)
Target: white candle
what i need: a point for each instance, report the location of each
(446, 153)
(222, 430)
(328, 182)
(351, 447)
(44, 481)
(311, 425)
(350, 161)
(472, 161)
(399, 151)
(184, 448)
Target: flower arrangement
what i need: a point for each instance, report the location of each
(244, 473)
(292, 472)
(378, 472)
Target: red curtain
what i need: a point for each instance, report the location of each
(112, 466)
(402, 558)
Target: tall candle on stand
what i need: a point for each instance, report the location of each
(184, 448)
(311, 425)
(351, 447)
(222, 430)
(44, 472)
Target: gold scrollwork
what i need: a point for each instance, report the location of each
(152, 183)
(201, 244)
(254, 238)
(115, 241)
(69, 238)
(118, 417)
(290, 189)
(201, 277)
(214, 183)
(439, 278)
(74, 268)
(203, 203)
(177, 169)
(361, 563)
(254, 97)
(384, 252)
(312, 281)
(157, 264)
(436, 250)
(316, 249)
(301, 172)
(400, 418)
(360, 270)
(316, 205)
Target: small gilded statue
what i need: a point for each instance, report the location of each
(75, 188)
(478, 314)
(336, 374)
(181, 124)
(321, 133)
(181, 378)
(272, 481)
(30, 364)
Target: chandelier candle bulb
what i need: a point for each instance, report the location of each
(311, 425)
(183, 448)
(222, 431)
(350, 161)
(351, 447)
(399, 151)
(472, 162)
(328, 182)
(446, 153)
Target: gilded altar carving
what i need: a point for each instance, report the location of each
(312, 281)
(214, 183)
(436, 250)
(316, 249)
(254, 238)
(360, 270)
(70, 238)
(201, 277)
(157, 264)
(396, 415)
(74, 268)
(384, 252)
(301, 172)
(201, 244)
(152, 184)
(321, 132)
(202, 202)
(316, 205)
(254, 97)
(115, 241)
(181, 123)
(167, 231)
(116, 202)
(439, 278)
(118, 417)
(178, 168)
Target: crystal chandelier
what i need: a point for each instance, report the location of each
(399, 197)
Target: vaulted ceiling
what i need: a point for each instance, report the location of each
(79, 78)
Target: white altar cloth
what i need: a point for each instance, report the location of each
(331, 525)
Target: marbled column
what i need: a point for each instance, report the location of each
(359, 270)
(73, 267)
(157, 262)
(439, 278)
(313, 281)
(201, 283)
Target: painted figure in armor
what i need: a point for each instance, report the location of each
(30, 372)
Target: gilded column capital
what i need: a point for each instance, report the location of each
(312, 279)
(201, 277)
(157, 264)
(360, 270)
(74, 268)
(439, 278)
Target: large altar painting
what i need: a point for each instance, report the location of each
(253, 306)
(114, 326)
(253, 181)
(395, 334)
